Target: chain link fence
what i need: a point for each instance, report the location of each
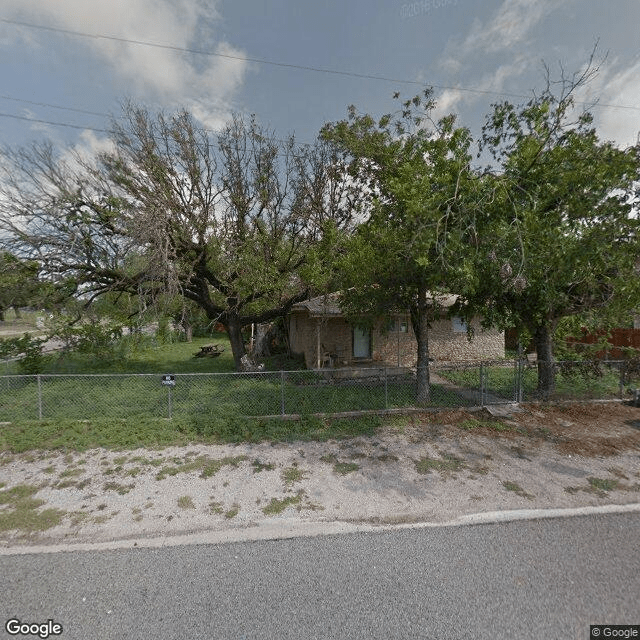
(281, 393)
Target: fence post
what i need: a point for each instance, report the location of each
(482, 384)
(169, 402)
(39, 397)
(282, 392)
(386, 390)
(621, 368)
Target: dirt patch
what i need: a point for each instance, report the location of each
(582, 429)
(430, 467)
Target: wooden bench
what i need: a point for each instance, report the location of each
(209, 351)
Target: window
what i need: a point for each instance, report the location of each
(397, 325)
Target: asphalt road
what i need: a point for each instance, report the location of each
(546, 579)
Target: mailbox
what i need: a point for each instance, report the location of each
(169, 380)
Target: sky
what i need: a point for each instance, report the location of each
(67, 66)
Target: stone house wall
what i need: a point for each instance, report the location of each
(392, 343)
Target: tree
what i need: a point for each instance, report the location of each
(19, 283)
(233, 222)
(411, 248)
(561, 237)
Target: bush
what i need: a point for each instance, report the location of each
(29, 350)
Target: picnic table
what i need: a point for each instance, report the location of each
(209, 350)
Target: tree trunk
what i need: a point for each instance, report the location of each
(420, 323)
(543, 338)
(234, 331)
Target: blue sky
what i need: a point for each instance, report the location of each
(479, 49)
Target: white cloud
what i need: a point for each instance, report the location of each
(505, 32)
(451, 100)
(510, 25)
(613, 86)
(168, 76)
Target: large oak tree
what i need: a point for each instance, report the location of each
(238, 222)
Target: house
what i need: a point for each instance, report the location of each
(319, 330)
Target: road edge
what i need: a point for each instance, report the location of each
(292, 528)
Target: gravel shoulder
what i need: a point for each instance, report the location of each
(422, 468)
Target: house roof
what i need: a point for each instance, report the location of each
(326, 305)
(329, 304)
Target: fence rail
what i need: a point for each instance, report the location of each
(282, 393)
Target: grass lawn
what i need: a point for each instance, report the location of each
(572, 385)
(147, 356)
(81, 410)
(80, 435)
(199, 398)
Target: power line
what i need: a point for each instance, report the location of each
(55, 106)
(287, 65)
(56, 124)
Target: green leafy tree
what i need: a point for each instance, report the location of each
(561, 236)
(411, 248)
(232, 222)
(19, 283)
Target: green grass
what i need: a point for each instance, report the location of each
(601, 484)
(186, 502)
(292, 475)
(344, 468)
(21, 511)
(276, 506)
(473, 423)
(129, 434)
(447, 463)
(569, 385)
(200, 398)
(146, 355)
(517, 489)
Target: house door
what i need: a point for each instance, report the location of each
(361, 343)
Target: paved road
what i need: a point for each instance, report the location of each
(546, 579)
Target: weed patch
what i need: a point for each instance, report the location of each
(22, 512)
(600, 484)
(447, 463)
(233, 512)
(69, 473)
(122, 489)
(215, 507)
(292, 475)
(344, 468)
(186, 502)
(517, 489)
(260, 466)
(276, 506)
